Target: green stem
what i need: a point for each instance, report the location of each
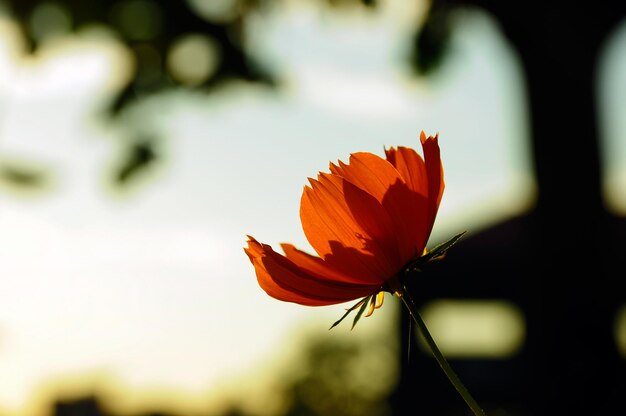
(443, 363)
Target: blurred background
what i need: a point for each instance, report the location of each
(142, 140)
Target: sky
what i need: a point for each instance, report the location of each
(611, 86)
(149, 290)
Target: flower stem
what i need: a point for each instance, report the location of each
(443, 363)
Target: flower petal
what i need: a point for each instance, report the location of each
(349, 229)
(411, 167)
(369, 172)
(284, 280)
(424, 177)
(316, 265)
(434, 170)
(406, 208)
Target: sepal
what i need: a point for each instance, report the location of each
(436, 253)
(361, 305)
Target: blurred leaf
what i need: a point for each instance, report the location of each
(138, 29)
(430, 42)
(20, 176)
(140, 156)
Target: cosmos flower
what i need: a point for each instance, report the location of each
(369, 222)
(366, 220)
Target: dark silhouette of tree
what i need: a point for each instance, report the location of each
(328, 381)
(83, 406)
(329, 376)
(561, 263)
(164, 23)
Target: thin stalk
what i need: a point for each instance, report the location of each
(443, 363)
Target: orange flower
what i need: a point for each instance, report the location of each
(366, 220)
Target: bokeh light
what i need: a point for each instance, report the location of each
(477, 329)
(49, 20)
(192, 59)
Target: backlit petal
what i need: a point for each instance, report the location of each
(424, 177)
(284, 280)
(434, 170)
(406, 208)
(411, 167)
(317, 266)
(369, 172)
(349, 229)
